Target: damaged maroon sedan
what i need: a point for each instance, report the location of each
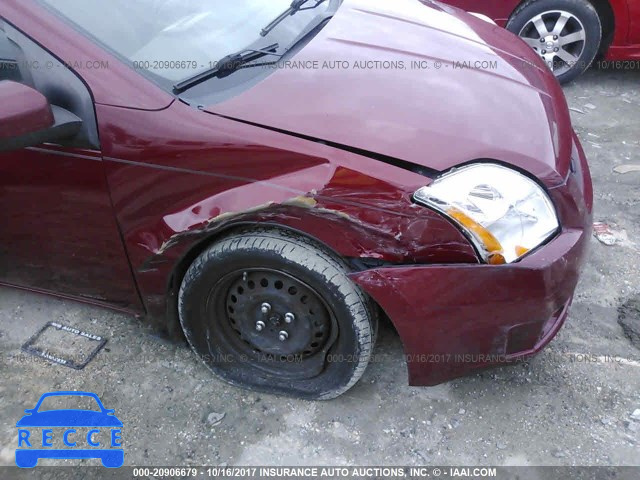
(270, 177)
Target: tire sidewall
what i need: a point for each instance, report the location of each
(194, 308)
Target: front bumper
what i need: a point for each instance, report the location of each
(454, 319)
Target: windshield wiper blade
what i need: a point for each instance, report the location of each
(227, 65)
(296, 6)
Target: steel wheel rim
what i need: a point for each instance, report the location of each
(310, 333)
(558, 36)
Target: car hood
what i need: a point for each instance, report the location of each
(69, 418)
(444, 112)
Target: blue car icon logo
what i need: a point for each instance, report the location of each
(88, 433)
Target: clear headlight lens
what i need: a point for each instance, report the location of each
(505, 213)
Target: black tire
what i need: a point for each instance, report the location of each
(222, 300)
(581, 14)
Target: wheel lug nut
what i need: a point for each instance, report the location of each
(542, 40)
(289, 317)
(260, 325)
(283, 335)
(555, 49)
(555, 37)
(544, 51)
(265, 308)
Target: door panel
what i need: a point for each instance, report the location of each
(57, 228)
(634, 22)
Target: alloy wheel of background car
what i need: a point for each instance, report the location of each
(565, 33)
(272, 311)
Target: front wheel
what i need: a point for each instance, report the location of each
(273, 311)
(565, 33)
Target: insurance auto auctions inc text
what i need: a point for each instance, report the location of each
(360, 472)
(382, 65)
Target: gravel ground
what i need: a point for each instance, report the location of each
(571, 405)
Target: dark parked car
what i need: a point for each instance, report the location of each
(568, 34)
(271, 212)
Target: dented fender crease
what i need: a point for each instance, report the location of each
(383, 222)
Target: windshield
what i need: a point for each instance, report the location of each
(176, 39)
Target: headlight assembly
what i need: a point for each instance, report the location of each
(503, 212)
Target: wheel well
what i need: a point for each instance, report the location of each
(607, 18)
(175, 280)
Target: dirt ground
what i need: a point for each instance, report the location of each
(573, 404)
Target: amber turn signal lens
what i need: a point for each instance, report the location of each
(520, 250)
(496, 259)
(491, 243)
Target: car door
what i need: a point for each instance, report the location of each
(58, 232)
(634, 22)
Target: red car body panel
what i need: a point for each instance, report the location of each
(532, 110)
(118, 227)
(625, 44)
(215, 178)
(58, 230)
